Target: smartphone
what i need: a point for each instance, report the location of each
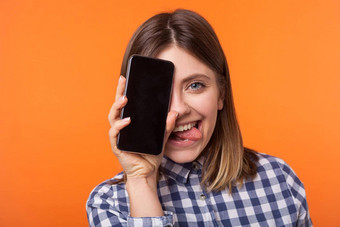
(148, 89)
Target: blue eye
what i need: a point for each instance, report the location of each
(196, 86)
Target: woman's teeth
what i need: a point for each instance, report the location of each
(182, 128)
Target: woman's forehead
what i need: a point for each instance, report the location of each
(185, 62)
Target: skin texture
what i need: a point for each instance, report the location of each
(195, 98)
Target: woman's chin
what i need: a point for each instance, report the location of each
(182, 156)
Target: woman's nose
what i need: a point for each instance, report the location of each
(179, 104)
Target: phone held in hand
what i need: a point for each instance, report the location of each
(148, 89)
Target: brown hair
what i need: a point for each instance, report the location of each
(229, 162)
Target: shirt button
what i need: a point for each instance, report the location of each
(202, 197)
(196, 166)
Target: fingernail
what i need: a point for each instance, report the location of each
(126, 119)
(120, 78)
(122, 98)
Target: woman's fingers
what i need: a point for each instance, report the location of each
(170, 123)
(120, 87)
(116, 123)
(116, 108)
(113, 133)
(120, 101)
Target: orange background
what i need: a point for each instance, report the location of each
(59, 65)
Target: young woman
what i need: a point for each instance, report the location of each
(204, 177)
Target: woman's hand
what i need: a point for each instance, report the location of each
(140, 169)
(136, 166)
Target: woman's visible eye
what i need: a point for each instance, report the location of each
(196, 85)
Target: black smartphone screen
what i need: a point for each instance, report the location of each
(148, 89)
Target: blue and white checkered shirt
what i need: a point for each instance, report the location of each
(276, 197)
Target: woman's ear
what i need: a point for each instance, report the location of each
(220, 103)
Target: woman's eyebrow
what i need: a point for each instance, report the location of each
(196, 76)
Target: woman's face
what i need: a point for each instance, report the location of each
(195, 96)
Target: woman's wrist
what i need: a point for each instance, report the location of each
(143, 196)
(148, 182)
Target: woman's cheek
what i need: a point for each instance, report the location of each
(205, 104)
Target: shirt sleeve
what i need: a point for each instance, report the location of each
(108, 205)
(299, 194)
(163, 221)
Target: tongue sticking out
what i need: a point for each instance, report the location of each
(192, 134)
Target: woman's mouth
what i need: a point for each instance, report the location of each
(186, 134)
(185, 127)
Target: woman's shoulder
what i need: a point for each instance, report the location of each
(110, 191)
(108, 203)
(272, 163)
(277, 171)
(110, 185)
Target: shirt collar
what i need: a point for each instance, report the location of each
(180, 171)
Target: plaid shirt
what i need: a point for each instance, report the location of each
(276, 197)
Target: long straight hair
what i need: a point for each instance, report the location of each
(227, 161)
